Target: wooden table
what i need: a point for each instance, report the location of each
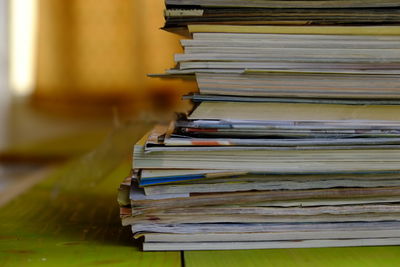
(71, 219)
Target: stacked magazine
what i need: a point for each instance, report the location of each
(294, 140)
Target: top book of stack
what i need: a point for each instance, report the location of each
(180, 13)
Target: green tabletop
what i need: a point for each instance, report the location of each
(71, 218)
(49, 226)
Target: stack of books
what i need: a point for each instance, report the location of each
(294, 140)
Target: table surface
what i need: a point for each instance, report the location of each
(71, 218)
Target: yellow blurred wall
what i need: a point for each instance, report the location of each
(99, 51)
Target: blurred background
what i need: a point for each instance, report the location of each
(71, 69)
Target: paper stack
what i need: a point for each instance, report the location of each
(295, 137)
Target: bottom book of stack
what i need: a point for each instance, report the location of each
(216, 210)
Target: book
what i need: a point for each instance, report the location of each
(322, 30)
(167, 246)
(178, 17)
(368, 114)
(301, 85)
(286, 4)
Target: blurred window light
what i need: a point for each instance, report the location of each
(23, 31)
(4, 89)
(3, 50)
